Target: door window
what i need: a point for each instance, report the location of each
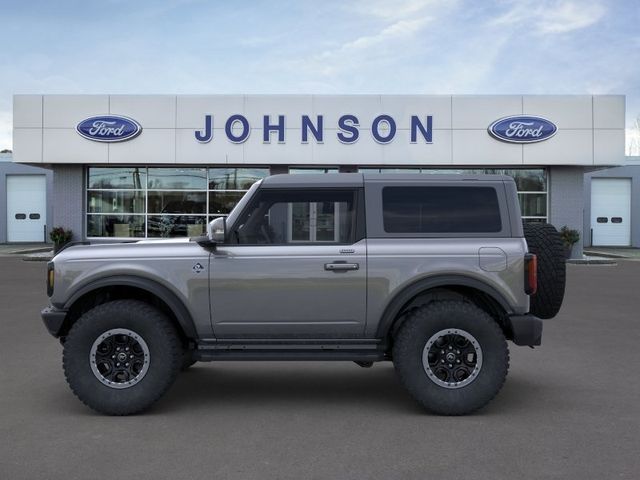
(283, 217)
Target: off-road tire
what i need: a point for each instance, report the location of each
(544, 241)
(424, 322)
(150, 324)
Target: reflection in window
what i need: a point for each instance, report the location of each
(177, 202)
(133, 202)
(176, 225)
(110, 178)
(235, 178)
(221, 202)
(177, 178)
(116, 201)
(117, 226)
(533, 204)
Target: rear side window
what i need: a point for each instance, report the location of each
(443, 209)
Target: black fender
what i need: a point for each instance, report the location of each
(407, 293)
(176, 306)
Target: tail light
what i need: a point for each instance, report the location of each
(530, 274)
(50, 278)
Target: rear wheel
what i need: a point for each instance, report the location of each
(121, 356)
(451, 356)
(544, 241)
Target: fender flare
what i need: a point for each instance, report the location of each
(176, 306)
(394, 307)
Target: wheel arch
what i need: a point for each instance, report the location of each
(485, 296)
(129, 286)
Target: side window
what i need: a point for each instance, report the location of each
(280, 217)
(441, 209)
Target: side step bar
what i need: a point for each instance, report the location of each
(350, 350)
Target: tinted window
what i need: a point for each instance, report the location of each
(440, 210)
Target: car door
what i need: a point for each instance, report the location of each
(294, 265)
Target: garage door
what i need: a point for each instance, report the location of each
(611, 211)
(26, 208)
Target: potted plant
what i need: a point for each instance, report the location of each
(569, 238)
(60, 237)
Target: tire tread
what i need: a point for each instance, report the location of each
(410, 330)
(113, 309)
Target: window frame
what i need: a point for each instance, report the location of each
(358, 231)
(375, 220)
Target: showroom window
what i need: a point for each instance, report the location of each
(314, 170)
(531, 184)
(160, 202)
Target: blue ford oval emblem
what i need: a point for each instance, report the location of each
(109, 128)
(522, 129)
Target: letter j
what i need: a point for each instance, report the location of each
(207, 135)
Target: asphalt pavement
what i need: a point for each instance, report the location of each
(569, 409)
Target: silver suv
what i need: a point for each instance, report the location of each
(432, 272)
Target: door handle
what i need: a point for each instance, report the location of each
(341, 266)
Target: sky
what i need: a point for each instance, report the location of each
(330, 47)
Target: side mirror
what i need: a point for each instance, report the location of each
(217, 230)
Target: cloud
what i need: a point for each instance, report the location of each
(552, 17)
(353, 53)
(6, 140)
(397, 9)
(569, 16)
(402, 28)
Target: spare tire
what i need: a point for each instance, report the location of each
(544, 241)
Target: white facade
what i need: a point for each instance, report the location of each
(590, 130)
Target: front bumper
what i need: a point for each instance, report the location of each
(54, 320)
(526, 329)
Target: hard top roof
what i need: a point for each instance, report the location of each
(358, 179)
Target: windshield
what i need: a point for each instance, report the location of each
(241, 204)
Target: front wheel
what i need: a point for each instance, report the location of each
(451, 356)
(121, 356)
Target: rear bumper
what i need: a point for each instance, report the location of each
(53, 319)
(526, 329)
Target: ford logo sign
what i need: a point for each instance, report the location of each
(109, 128)
(522, 129)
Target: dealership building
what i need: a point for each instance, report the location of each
(153, 166)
